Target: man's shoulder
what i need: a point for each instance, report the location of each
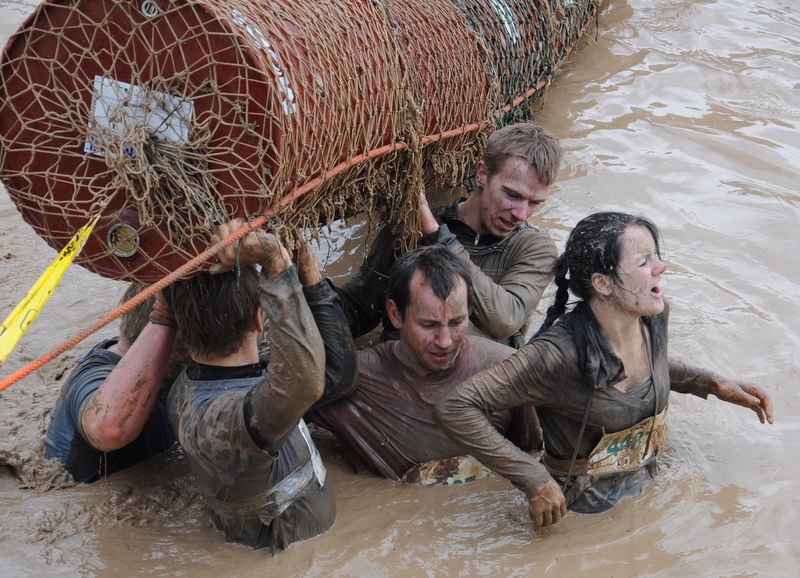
(93, 367)
(532, 237)
(376, 359)
(101, 354)
(80, 385)
(449, 212)
(482, 353)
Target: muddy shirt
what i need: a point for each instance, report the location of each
(210, 411)
(386, 426)
(560, 372)
(232, 470)
(65, 440)
(509, 275)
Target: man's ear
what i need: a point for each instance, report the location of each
(603, 284)
(394, 313)
(258, 321)
(481, 174)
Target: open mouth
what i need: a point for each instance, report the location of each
(656, 291)
(507, 224)
(439, 356)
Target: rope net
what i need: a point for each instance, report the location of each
(170, 117)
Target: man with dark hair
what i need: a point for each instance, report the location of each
(239, 418)
(510, 260)
(111, 412)
(386, 426)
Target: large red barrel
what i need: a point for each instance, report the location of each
(168, 117)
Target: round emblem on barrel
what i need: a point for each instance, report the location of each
(123, 240)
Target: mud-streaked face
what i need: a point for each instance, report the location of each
(432, 330)
(508, 197)
(636, 286)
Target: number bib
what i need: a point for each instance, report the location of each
(625, 450)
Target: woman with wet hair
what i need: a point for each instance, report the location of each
(599, 376)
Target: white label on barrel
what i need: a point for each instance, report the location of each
(119, 108)
(260, 41)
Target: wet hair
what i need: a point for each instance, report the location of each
(593, 246)
(216, 312)
(133, 322)
(439, 267)
(537, 146)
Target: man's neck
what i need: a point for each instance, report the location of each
(120, 347)
(245, 355)
(470, 212)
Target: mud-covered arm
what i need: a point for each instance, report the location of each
(117, 412)
(701, 382)
(340, 353)
(688, 379)
(501, 309)
(462, 415)
(363, 298)
(295, 377)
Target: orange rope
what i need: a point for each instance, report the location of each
(187, 267)
(195, 263)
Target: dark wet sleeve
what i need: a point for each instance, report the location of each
(340, 353)
(363, 297)
(521, 380)
(502, 308)
(687, 379)
(524, 430)
(296, 372)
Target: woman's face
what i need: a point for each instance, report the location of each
(635, 288)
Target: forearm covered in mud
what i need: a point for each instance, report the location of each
(340, 352)
(118, 411)
(501, 308)
(296, 372)
(363, 298)
(462, 415)
(688, 379)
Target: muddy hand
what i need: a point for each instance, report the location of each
(427, 220)
(548, 506)
(257, 246)
(309, 270)
(162, 313)
(745, 394)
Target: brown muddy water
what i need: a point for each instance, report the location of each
(687, 112)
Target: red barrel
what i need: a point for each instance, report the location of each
(519, 35)
(168, 117)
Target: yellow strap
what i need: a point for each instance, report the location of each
(26, 311)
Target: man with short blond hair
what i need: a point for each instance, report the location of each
(510, 261)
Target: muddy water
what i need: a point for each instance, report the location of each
(685, 111)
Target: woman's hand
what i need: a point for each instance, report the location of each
(744, 394)
(548, 506)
